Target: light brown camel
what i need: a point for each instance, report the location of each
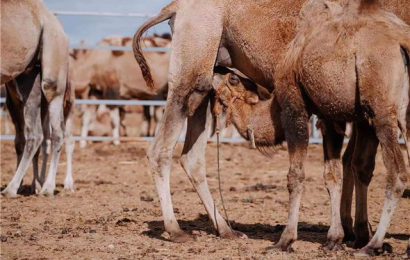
(246, 35)
(106, 74)
(349, 68)
(34, 51)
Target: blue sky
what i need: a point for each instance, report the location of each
(92, 29)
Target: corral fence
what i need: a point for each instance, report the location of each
(315, 136)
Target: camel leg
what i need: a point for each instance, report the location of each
(363, 164)
(386, 131)
(69, 150)
(160, 158)
(85, 128)
(54, 59)
(347, 189)
(32, 134)
(115, 119)
(295, 120)
(190, 81)
(16, 108)
(45, 149)
(194, 163)
(332, 147)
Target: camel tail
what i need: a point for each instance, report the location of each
(166, 13)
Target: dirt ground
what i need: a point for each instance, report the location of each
(115, 213)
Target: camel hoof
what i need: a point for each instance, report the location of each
(332, 246)
(283, 246)
(69, 187)
(181, 237)
(368, 251)
(233, 234)
(8, 194)
(47, 192)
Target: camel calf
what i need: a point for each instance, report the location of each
(34, 54)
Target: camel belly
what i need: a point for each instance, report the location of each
(330, 84)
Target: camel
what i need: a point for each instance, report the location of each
(226, 36)
(106, 74)
(34, 56)
(352, 67)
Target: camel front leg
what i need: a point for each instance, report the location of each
(116, 121)
(85, 125)
(194, 163)
(332, 147)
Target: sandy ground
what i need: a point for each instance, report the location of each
(115, 213)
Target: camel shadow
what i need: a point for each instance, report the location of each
(314, 233)
(307, 232)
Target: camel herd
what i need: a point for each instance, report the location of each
(263, 66)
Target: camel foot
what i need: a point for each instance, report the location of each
(333, 246)
(181, 237)
(69, 186)
(35, 187)
(283, 245)
(368, 251)
(408, 252)
(47, 192)
(233, 234)
(9, 194)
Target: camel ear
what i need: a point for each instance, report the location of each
(251, 98)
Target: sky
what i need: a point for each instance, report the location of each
(92, 29)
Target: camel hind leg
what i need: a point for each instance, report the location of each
(33, 134)
(363, 164)
(54, 63)
(190, 75)
(347, 189)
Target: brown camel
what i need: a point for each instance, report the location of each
(257, 118)
(246, 35)
(34, 54)
(351, 67)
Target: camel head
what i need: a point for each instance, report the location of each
(251, 108)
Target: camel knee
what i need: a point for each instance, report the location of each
(332, 174)
(159, 158)
(33, 142)
(49, 87)
(296, 177)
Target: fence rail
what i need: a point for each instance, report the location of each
(108, 14)
(315, 139)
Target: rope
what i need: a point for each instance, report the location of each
(219, 181)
